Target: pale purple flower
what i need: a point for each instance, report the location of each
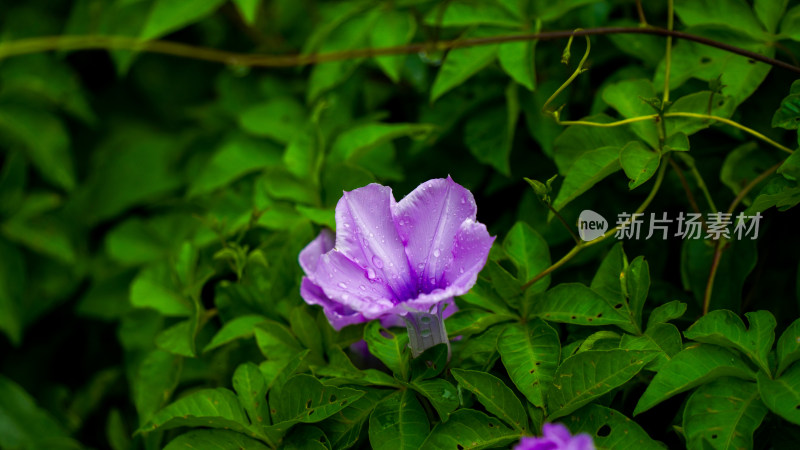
(397, 259)
(556, 436)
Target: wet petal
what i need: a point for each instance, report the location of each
(470, 251)
(556, 432)
(366, 234)
(428, 219)
(309, 256)
(338, 314)
(346, 282)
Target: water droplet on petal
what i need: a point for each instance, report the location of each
(463, 200)
(371, 234)
(378, 262)
(370, 273)
(420, 266)
(433, 280)
(343, 285)
(425, 333)
(401, 223)
(363, 288)
(436, 253)
(347, 225)
(461, 270)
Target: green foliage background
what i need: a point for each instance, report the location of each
(152, 208)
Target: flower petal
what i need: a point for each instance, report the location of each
(470, 250)
(348, 283)
(556, 432)
(581, 442)
(338, 314)
(309, 256)
(428, 219)
(367, 235)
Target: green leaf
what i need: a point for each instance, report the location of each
(279, 118)
(306, 437)
(790, 167)
(167, 16)
(577, 304)
(724, 413)
(485, 141)
(622, 431)
(662, 337)
(588, 170)
(470, 429)
(495, 396)
(155, 381)
(550, 11)
(735, 265)
(627, 98)
(465, 14)
(275, 341)
(739, 75)
(529, 252)
(530, 353)
(391, 348)
(45, 139)
(466, 322)
(724, 328)
(12, 288)
(703, 102)
(788, 114)
(638, 162)
(179, 338)
(666, 312)
(214, 440)
(241, 327)
(460, 64)
(398, 422)
(782, 395)
(769, 14)
(351, 33)
(518, 60)
(396, 28)
(778, 192)
(733, 13)
(304, 399)
(430, 363)
(212, 408)
(357, 141)
(742, 166)
(344, 428)
(248, 10)
(637, 279)
(576, 140)
(251, 388)
(23, 423)
(790, 25)
(693, 366)
(442, 395)
(587, 375)
(306, 330)
(484, 296)
(277, 372)
(788, 347)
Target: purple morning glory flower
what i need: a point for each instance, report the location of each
(556, 436)
(392, 260)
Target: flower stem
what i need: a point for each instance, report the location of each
(426, 330)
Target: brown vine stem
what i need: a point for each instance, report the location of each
(722, 243)
(94, 42)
